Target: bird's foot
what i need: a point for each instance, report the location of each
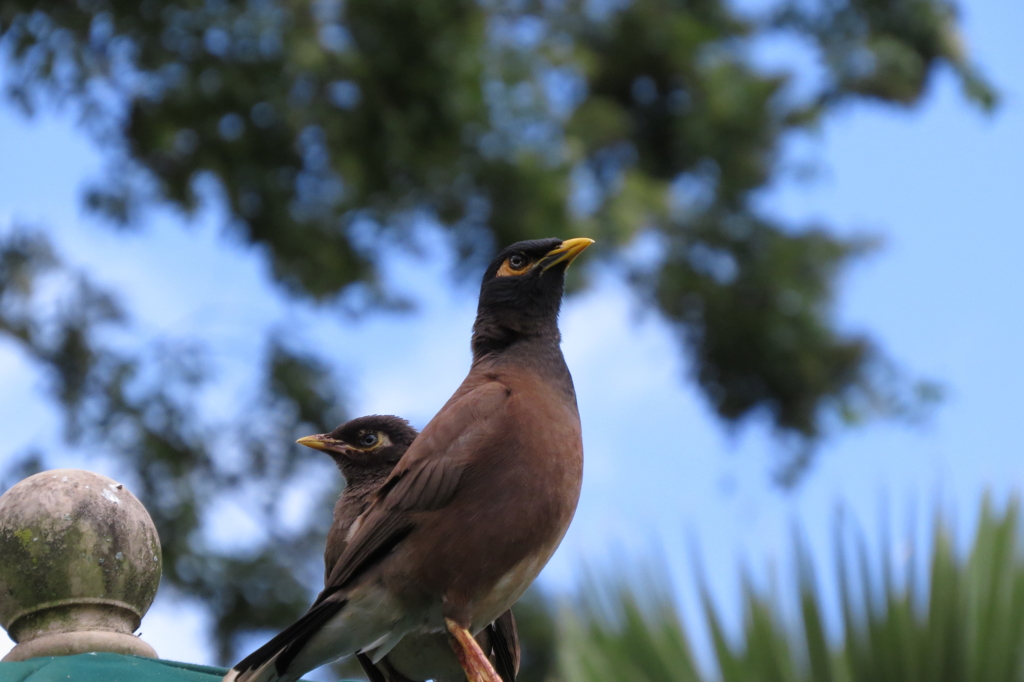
(471, 657)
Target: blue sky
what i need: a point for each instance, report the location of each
(944, 185)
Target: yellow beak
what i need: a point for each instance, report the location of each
(567, 251)
(317, 442)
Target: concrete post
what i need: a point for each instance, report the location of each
(79, 566)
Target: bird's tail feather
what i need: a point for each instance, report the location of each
(270, 662)
(267, 672)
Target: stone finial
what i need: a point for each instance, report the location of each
(79, 565)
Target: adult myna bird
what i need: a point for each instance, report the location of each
(366, 449)
(478, 503)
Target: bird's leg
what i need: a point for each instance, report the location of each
(471, 657)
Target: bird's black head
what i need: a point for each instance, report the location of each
(522, 292)
(365, 446)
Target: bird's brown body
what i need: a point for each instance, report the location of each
(503, 540)
(477, 505)
(363, 478)
(365, 468)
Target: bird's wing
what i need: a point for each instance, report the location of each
(426, 478)
(505, 646)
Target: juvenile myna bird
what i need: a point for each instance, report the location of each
(478, 503)
(366, 449)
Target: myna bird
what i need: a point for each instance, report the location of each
(477, 505)
(366, 449)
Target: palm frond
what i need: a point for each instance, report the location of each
(943, 618)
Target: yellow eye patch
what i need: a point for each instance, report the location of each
(381, 440)
(506, 269)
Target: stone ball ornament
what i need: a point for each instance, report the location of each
(80, 564)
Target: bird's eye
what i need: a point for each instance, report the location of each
(516, 264)
(368, 440)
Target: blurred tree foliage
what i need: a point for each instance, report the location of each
(939, 618)
(333, 127)
(181, 463)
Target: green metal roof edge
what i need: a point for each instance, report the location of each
(107, 667)
(195, 667)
